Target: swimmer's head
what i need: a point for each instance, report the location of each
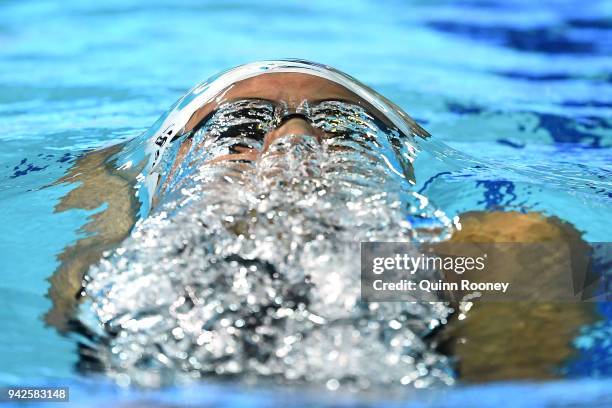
(239, 114)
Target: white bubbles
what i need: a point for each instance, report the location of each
(251, 270)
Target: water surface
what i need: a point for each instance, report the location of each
(523, 87)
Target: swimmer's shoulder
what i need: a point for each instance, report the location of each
(101, 187)
(515, 340)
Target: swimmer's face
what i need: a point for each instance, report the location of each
(284, 102)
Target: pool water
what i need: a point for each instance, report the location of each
(523, 89)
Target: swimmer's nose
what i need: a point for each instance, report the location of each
(294, 126)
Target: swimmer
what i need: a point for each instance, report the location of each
(236, 171)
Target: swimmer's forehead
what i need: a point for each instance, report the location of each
(291, 88)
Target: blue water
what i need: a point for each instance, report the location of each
(525, 86)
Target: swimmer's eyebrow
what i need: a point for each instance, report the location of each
(252, 99)
(341, 100)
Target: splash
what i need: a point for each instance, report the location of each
(250, 269)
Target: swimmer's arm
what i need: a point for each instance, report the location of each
(515, 340)
(100, 185)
